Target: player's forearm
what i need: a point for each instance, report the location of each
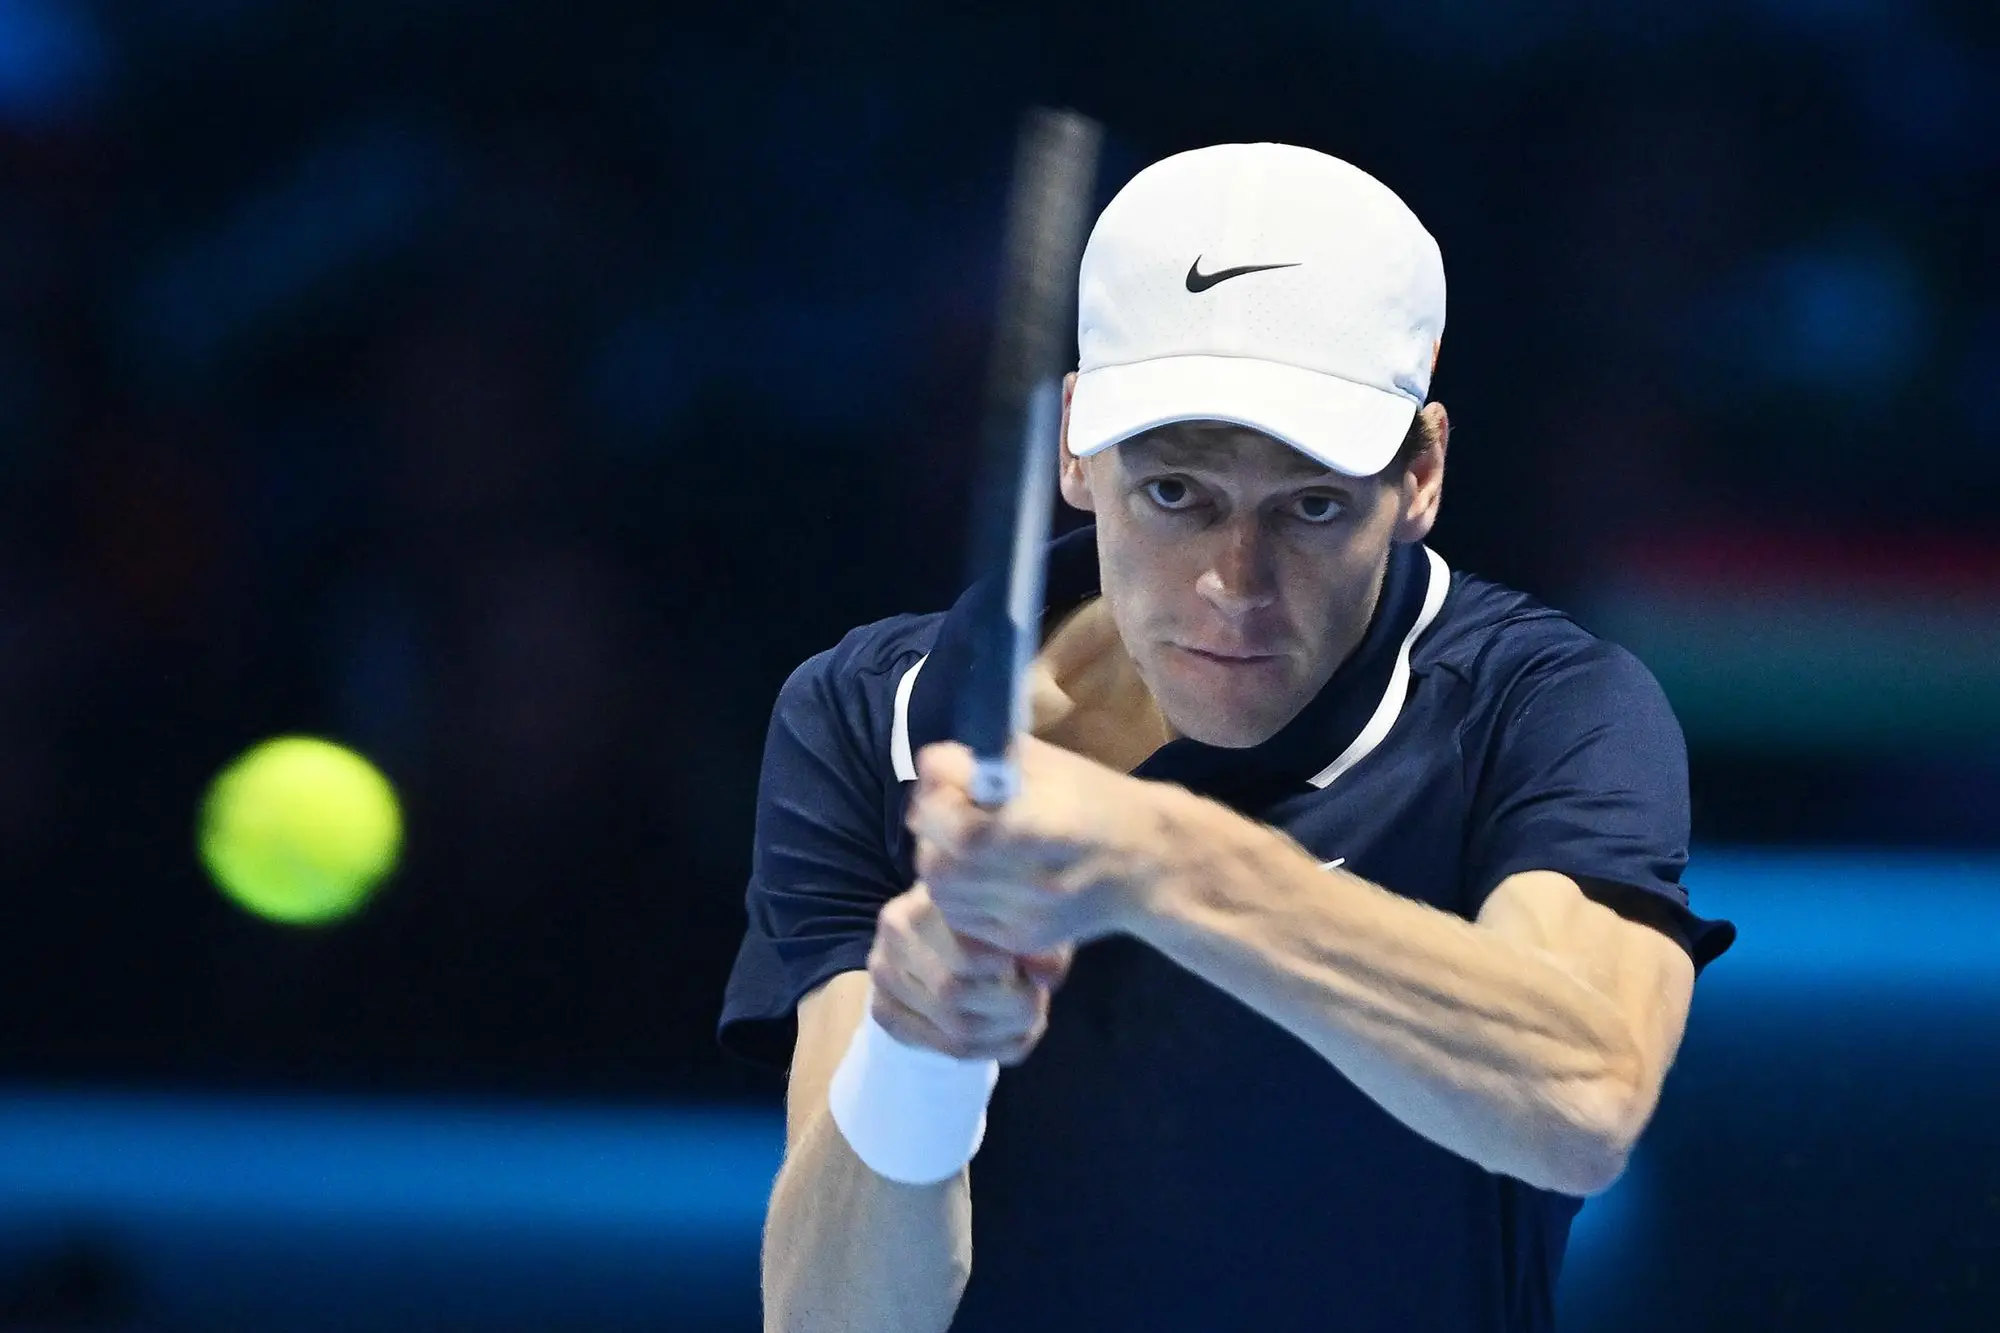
(846, 1251)
(1480, 1045)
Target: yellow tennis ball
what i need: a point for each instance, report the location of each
(300, 830)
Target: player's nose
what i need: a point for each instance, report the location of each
(1239, 579)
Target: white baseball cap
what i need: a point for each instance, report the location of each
(1262, 284)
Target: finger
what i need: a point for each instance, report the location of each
(1002, 914)
(931, 862)
(1013, 1052)
(993, 928)
(934, 950)
(1048, 970)
(963, 985)
(982, 912)
(921, 975)
(999, 993)
(993, 870)
(979, 951)
(1037, 971)
(945, 764)
(913, 1028)
(978, 982)
(961, 1037)
(946, 818)
(1010, 1052)
(899, 984)
(992, 1008)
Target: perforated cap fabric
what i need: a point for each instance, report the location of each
(1262, 284)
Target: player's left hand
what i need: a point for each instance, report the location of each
(1065, 861)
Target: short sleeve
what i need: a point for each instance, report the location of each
(1586, 775)
(820, 868)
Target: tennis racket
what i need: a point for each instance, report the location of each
(1055, 172)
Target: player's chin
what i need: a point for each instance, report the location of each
(1234, 715)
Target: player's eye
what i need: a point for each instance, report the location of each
(1317, 508)
(1171, 493)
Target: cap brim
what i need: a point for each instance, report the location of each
(1352, 428)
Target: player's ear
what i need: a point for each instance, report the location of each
(1075, 485)
(1423, 481)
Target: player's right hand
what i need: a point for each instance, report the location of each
(955, 995)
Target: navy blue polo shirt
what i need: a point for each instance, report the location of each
(1168, 1159)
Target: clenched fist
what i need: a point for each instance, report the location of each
(956, 995)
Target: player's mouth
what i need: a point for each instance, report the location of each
(1231, 658)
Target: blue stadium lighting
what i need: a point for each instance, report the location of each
(176, 1177)
(1820, 922)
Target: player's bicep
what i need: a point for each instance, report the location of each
(827, 1018)
(1643, 971)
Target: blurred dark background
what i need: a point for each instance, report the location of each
(517, 393)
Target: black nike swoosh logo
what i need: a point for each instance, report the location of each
(1197, 281)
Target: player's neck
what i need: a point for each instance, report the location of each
(1089, 697)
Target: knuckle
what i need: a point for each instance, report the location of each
(898, 912)
(921, 913)
(888, 948)
(885, 986)
(957, 1043)
(891, 1015)
(1018, 1049)
(1019, 1028)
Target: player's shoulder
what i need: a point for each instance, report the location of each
(1497, 639)
(866, 664)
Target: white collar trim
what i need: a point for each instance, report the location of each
(1372, 735)
(900, 757)
(1398, 691)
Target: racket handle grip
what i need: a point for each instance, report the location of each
(994, 780)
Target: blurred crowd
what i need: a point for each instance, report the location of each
(518, 396)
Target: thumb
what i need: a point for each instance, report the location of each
(1048, 969)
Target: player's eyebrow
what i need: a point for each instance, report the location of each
(1211, 450)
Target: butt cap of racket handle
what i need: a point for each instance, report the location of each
(994, 781)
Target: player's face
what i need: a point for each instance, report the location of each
(1240, 573)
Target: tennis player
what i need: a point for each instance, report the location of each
(1358, 876)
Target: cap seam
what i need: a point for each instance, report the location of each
(1245, 356)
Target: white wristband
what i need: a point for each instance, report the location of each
(911, 1114)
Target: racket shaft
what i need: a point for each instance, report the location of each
(995, 778)
(1053, 178)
